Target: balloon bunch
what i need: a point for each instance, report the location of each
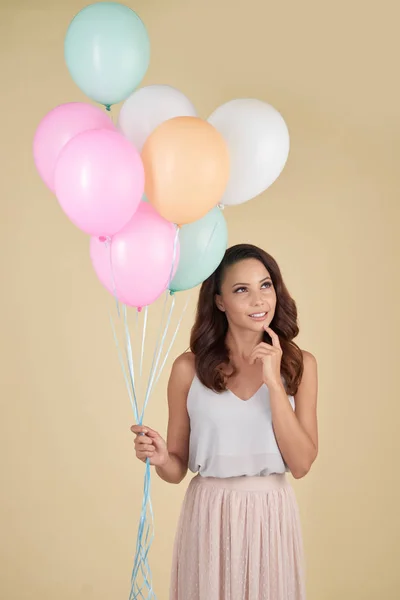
(187, 166)
(149, 189)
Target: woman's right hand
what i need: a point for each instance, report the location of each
(150, 445)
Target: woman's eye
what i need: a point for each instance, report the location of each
(266, 285)
(240, 290)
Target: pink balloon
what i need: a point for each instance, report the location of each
(142, 256)
(99, 181)
(58, 127)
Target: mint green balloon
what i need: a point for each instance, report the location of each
(107, 51)
(202, 247)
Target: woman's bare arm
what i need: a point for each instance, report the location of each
(297, 432)
(175, 468)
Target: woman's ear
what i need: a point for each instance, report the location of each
(219, 304)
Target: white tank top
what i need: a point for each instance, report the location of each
(230, 437)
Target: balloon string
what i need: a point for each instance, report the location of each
(130, 388)
(142, 550)
(142, 547)
(153, 373)
(108, 244)
(129, 357)
(143, 339)
(144, 539)
(146, 532)
(171, 274)
(167, 294)
(159, 333)
(183, 312)
(143, 542)
(171, 343)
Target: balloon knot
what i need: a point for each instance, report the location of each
(139, 309)
(108, 107)
(171, 292)
(221, 206)
(105, 239)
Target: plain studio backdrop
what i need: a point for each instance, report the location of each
(71, 486)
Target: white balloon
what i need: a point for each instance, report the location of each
(147, 108)
(258, 142)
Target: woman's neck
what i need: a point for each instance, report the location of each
(241, 344)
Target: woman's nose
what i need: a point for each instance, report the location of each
(257, 299)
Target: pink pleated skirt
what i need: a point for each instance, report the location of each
(238, 539)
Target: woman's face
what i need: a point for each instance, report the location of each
(248, 295)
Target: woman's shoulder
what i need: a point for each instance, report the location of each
(308, 358)
(185, 361)
(310, 367)
(184, 368)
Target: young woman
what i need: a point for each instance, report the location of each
(242, 412)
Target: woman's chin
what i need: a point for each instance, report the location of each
(253, 325)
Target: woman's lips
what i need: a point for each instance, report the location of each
(258, 316)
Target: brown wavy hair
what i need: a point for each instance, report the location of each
(207, 340)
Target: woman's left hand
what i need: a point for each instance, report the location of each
(271, 357)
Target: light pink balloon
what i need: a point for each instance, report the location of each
(99, 181)
(58, 127)
(142, 257)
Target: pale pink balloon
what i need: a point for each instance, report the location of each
(99, 181)
(58, 127)
(141, 255)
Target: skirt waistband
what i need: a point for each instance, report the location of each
(245, 484)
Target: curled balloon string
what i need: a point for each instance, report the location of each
(143, 544)
(142, 549)
(145, 536)
(144, 540)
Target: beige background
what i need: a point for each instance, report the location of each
(71, 488)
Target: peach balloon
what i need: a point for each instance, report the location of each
(186, 162)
